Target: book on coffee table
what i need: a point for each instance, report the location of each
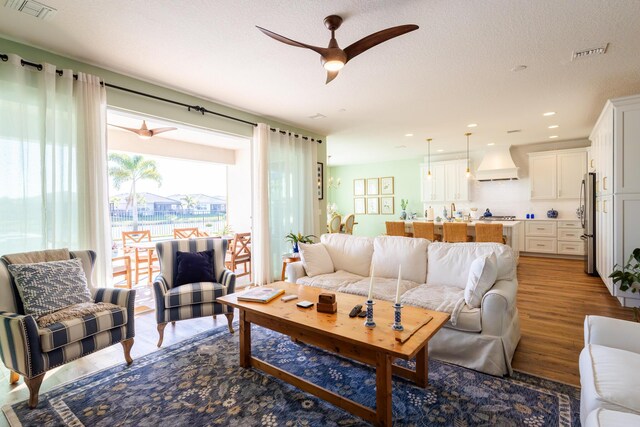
(263, 295)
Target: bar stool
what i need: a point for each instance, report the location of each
(490, 233)
(455, 232)
(395, 228)
(425, 230)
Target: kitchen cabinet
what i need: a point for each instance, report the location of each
(448, 182)
(569, 241)
(554, 237)
(557, 174)
(571, 170)
(615, 146)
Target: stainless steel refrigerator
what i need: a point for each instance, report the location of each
(588, 217)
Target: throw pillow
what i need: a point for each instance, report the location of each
(45, 287)
(194, 267)
(482, 275)
(315, 259)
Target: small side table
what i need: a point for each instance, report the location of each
(286, 259)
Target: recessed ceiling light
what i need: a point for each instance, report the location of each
(491, 143)
(553, 136)
(472, 125)
(408, 134)
(553, 126)
(519, 68)
(440, 151)
(549, 113)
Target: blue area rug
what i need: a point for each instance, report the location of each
(198, 382)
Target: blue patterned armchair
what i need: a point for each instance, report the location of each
(191, 300)
(30, 350)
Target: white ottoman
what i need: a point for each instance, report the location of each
(610, 379)
(607, 418)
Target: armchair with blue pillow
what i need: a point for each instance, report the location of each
(49, 315)
(192, 276)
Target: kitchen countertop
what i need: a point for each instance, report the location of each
(549, 219)
(505, 224)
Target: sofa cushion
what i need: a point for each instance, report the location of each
(383, 288)
(449, 263)
(609, 378)
(45, 287)
(447, 299)
(331, 281)
(607, 418)
(469, 320)
(68, 331)
(349, 253)
(482, 276)
(391, 251)
(315, 259)
(194, 293)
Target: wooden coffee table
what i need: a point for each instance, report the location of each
(345, 336)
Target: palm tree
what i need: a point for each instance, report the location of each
(189, 202)
(125, 168)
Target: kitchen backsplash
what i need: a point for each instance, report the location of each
(509, 198)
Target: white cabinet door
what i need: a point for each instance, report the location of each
(463, 182)
(426, 185)
(438, 178)
(627, 149)
(451, 181)
(606, 156)
(571, 170)
(627, 235)
(542, 175)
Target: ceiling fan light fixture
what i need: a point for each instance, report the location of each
(333, 65)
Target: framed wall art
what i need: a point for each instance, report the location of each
(387, 206)
(373, 187)
(320, 178)
(386, 185)
(373, 206)
(359, 206)
(358, 187)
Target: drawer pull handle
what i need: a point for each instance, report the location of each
(540, 229)
(570, 248)
(540, 245)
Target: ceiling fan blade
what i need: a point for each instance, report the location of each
(331, 75)
(282, 39)
(160, 130)
(375, 39)
(134, 130)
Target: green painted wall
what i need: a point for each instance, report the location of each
(406, 175)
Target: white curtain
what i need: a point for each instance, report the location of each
(284, 197)
(53, 163)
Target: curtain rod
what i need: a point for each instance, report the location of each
(197, 108)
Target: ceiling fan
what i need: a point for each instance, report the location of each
(144, 132)
(332, 57)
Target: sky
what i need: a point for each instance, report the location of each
(181, 177)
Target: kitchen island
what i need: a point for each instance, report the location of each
(510, 230)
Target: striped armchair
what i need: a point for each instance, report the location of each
(30, 350)
(191, 300)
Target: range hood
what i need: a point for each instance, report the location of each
(497, 165)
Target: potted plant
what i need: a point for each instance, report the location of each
(629, 276)
(294, 239)
(403, 204)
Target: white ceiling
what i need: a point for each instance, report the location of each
(432, 82)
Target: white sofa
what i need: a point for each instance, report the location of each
(610, 372)
(482, 338)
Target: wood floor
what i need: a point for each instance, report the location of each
(553, 298)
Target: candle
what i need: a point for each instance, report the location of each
(398, 287)
(369, 298)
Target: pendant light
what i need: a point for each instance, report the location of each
(468, 168)
(429, 158)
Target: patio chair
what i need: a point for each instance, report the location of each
(30, 350)
(185, 233)
(191, 300)
(240, 253)
(142, 257)
(123, 269)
